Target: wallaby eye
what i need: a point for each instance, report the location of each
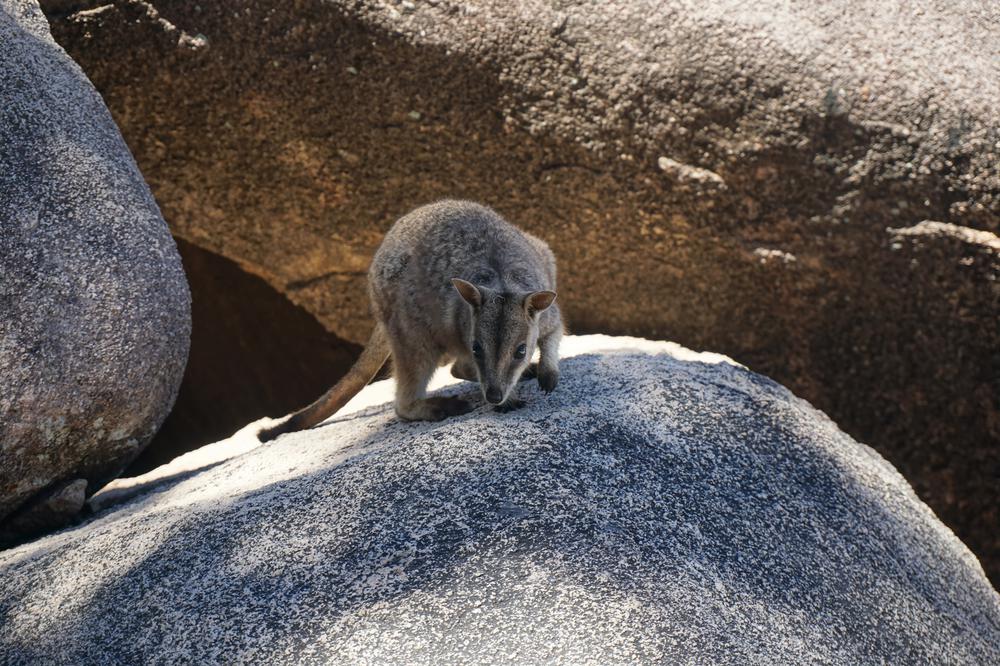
(521, 350)
(477, 349)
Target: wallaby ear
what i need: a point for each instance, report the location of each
(468, 291)
(537, 301)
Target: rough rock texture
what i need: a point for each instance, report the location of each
(726, 174)
(253, 354)
(660, 507)
(94, 309)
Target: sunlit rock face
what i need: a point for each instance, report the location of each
(94, 308)
(661, 506)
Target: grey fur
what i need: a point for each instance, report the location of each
(424, 322)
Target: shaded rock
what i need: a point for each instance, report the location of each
(94, 310)
(661, 506)
(688, 176)
(57, 506)
(291, 144)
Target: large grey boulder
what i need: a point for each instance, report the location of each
(736, 168)
(94, 308)
(661, 506)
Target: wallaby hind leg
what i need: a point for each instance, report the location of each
(413, 371)
(464, 369)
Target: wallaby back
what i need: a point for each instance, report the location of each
(373, 357)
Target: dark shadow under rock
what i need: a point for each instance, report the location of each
(253, 353)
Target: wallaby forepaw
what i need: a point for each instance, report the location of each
(457, 406)
(461, 371)
(547, 380)
(509, 405)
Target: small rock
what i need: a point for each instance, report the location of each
(686, 174)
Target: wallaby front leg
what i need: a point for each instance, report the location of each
(531, 372)
(548, 361)
(412, 374)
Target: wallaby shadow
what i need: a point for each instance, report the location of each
(645, 474)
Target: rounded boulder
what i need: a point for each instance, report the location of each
(94, 307)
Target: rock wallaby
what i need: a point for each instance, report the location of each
(453, 282)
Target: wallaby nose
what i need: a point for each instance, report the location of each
(494, 395)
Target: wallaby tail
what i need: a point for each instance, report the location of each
(371, 360)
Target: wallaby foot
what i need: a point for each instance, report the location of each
(548, 378)
(433, 409)
(509, 405)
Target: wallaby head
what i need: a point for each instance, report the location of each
(503, 334)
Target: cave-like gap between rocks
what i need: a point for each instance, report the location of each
(253, 353)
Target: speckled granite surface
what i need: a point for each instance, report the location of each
(660, 506)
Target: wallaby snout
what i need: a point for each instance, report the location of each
(494, 394)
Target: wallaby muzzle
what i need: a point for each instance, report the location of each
(493, 394)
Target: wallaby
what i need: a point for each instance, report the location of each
(453, 281)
